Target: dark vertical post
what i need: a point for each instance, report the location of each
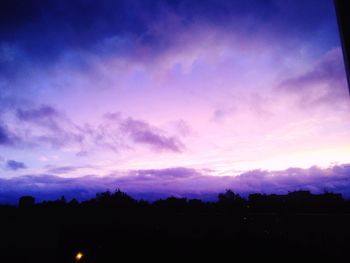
(342, 8)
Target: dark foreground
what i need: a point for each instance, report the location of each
(115, 228)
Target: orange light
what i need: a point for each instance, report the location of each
(78, 256)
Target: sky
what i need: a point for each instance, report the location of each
(182, 98)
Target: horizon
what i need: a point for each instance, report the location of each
(334, 179)
(171, 98)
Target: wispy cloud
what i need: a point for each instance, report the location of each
(144, 133)
(63, 169)
(324, 83)
(45, 125)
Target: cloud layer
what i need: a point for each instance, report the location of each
(153, 184)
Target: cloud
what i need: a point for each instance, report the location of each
(44, 125)
(183, 128)
(47, 30)
(14, 165)
(37, 114)
(142, 132)
(179, 181)
(315, 179)
(7, 138)
(67, 169)
(250, 108)
(176, 172)
(43, 187)
(324, 84)
(45, 116)
(55, 39)
(63, 169)
(126, 133)
(4, 136)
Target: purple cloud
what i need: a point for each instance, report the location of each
(45, 116)
(135, 19)
(183, 128)
(36, 114)
(63, 169)
(14, 165)
(142, 132)
(181, 182)
(44, 187)
(253, 104)
(117, 132)
(4, 136)
(7, 138)
(45, 125)
(325, 83)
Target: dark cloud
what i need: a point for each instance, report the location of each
(59, 130)
(42, 30)
(179, 181)
(35, 114)
(44, 187)
(142, 132)
(4, 136)
(45, 116)
(14, 165)
(7, 138)
(315, 179)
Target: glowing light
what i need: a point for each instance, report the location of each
(79, 256)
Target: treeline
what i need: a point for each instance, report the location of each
(293, 202)
(297, 225)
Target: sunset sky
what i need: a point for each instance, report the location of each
(171, 97)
